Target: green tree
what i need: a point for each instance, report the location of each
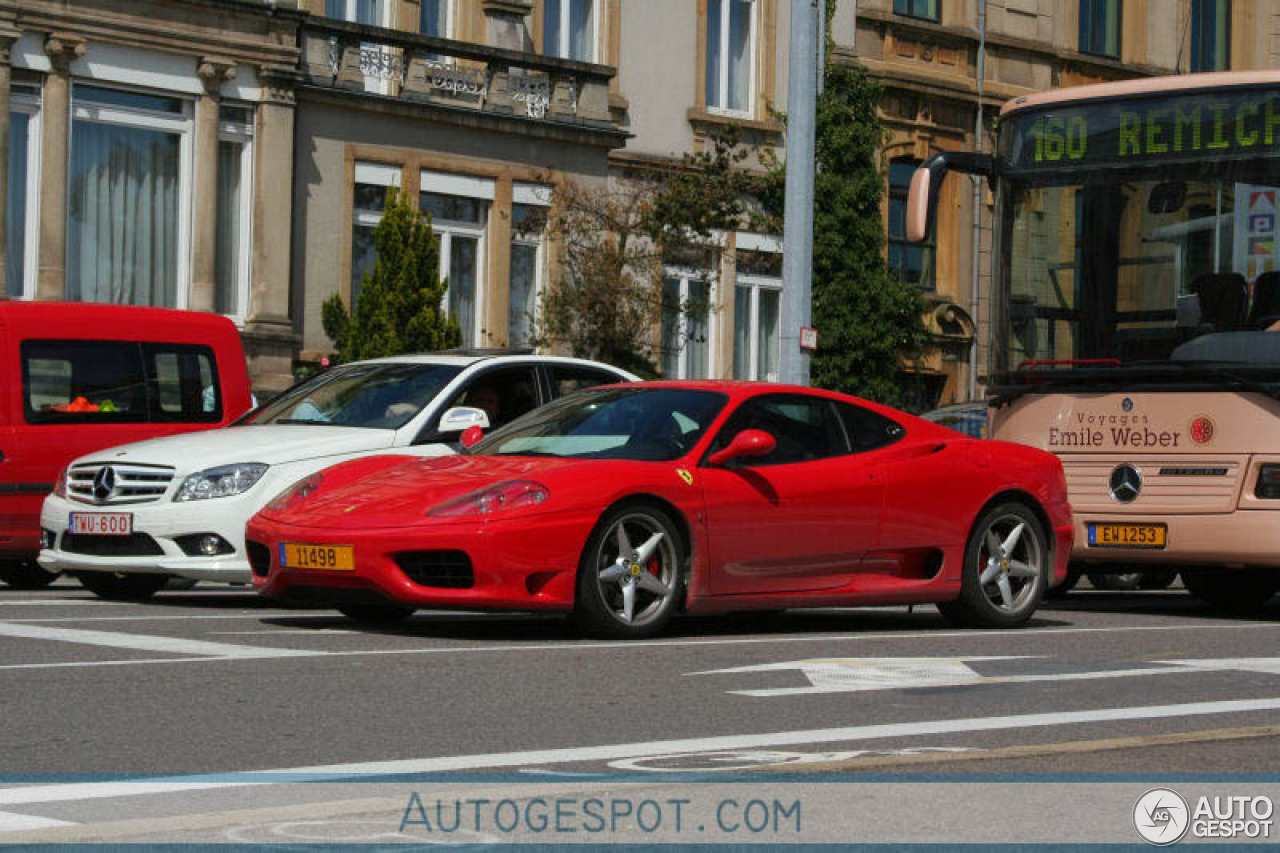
(614, 238)
(869, 323)
(399, 307)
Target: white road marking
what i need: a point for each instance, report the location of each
(52, 602)
(543, 648)
(10, 822)
(143, 618)
(55, 793)
(142, 642)
(852, 675)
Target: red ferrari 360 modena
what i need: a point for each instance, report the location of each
(625, 504)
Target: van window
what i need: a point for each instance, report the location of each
(74, 382)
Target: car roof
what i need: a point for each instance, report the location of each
(466, 358)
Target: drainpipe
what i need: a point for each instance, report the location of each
(977, 204)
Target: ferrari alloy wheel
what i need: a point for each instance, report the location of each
(376, 614)
(25, 574)
(629, 581)
(122, 586)
(1006, 564)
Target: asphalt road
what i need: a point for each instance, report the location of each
(97, 697)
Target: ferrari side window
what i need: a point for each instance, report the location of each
(805, 428)
(866, 429)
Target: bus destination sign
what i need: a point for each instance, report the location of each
(1177, 127)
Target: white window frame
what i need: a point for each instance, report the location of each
(686, 276)
(597, 18)
(144, 119)
(448, 21)
(465, 186)
(384, 10)
(374, 174)
(531, 195)
(30, 106)
(722, 72)
(755, 284)
(243, 135)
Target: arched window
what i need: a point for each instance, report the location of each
(910, 262)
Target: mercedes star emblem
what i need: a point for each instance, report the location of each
(1126, 482)
(104, 483)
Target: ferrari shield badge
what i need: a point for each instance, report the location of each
(686, 476)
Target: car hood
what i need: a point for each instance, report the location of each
(395, 491)
(271, 444)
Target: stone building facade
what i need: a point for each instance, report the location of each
(234, 155)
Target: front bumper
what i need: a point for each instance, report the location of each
(1239, 538)
(516, 564)
(162, 521)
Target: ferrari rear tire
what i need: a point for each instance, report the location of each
(25, 574)
(1240, 592)
(376, 614)
(123, 586)
(631, 576)
(1006, 566)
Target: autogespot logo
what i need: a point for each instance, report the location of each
(1161, 816)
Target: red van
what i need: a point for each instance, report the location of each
(78, 377)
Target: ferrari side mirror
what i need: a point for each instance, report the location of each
(471, 436)
(749, 442)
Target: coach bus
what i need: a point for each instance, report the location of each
(1135, 323)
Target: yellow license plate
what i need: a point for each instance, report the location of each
(1128, 535)
(329, 558)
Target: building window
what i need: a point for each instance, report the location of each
(569, 29)
(235, 178)
(909, 262)
(127, 219)
(23, 190)
(1210, 35)
(686, 328)
(528, 222)
(373, 181)
(433, 18)
(731, 39)
(459, 211)
(926, 9)
(370, 12)
(757, 304)
(1100, 27)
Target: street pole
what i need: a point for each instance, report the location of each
(797, 235)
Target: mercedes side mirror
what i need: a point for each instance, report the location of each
(462, 418)
(749, 442)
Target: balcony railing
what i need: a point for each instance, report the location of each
(411, 67)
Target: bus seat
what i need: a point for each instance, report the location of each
(1265, 309)
(1224, 298)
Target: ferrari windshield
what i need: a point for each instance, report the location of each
(375, 396)
(641, 424)
(1130, 229)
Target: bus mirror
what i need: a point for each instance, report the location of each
(922, 198)
(919, 205)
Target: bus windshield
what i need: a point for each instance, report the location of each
(1139, 232)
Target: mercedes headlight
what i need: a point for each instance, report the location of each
(221, 482)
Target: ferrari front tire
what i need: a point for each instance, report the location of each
(1006, 566)
(25, 574)
(121, 586)
(631, 574)
(376, 614)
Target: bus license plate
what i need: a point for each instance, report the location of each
(1127, 535)
(101, 523)
(329, 558)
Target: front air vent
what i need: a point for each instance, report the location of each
(439, 569)
(134, 545)
(259, 558)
